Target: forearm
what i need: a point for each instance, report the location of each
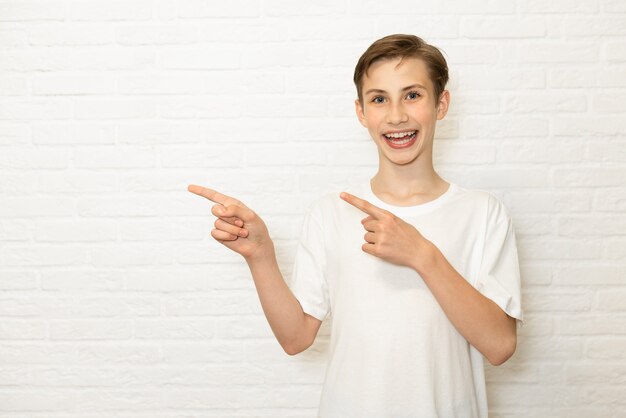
(281, 308)
(483, 324)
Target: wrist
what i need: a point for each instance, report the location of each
(262, 254)
(426, 258)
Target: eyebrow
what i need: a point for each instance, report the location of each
(412, 86)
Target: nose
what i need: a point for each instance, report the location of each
(397, 114)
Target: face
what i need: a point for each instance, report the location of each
(400, 102)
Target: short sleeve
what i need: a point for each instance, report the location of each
(499, 274)
(308, 280)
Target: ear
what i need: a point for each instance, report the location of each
(359, 112)
(444, 103)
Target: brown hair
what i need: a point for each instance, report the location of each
(404, 46)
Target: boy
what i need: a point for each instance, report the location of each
(420, 289)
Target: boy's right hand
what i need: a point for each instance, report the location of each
(237, 226)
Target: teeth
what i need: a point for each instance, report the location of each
(401, 142)
(399, 134)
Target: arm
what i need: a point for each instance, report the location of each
(480, 320)
(291, 326)
(483, 323)
(240, 229)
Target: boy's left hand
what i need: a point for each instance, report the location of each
(389, 237)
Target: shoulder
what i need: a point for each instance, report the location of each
(487, 201)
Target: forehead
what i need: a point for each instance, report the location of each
(387, 75)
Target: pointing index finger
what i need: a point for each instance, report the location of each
(363, 205)
(212, 195)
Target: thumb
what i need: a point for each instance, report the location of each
(232, 210)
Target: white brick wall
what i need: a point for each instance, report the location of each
(115, 300)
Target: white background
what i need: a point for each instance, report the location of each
(116, 301)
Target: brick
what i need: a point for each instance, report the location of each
(150, 230)
(606, 152)
(37, 158)
(543, 103)
(74, 33)
(14, 35)
(159, 132)
(560, 249)
(438, 26)
(558, 301)
(599, 25)
(197, 352)
(613, 299)
(79, 279)
(505, 127)
(207, 57)
(276, 55)
(121, 255)
(494, 79)
(287, 106)
(15, 230)
(256, 31)
(559, 52)
(36, 400)
(79, 181)
(78, 133)
(13, 86)
(598, 274)
(219, 155)
(43, 85)
(606, 348)
(75, 231)
(288, 154)
(158, 85)
(502, 27)
(615, 52)
(165, 328)
(44, 255)
(112, 10)
(118, 352)
(596, 177)
(248, 326)
(17, 280)
(21, 207)
(31, 353)
(91, 329)
(538, 150)
(287, 8)
(14, 133)
(585, 126)
(34, 108)
(236, 302)
(161, 34)
(22, 329)
(559, 6)
(591, 225)
(541, 202)
(608, 103)
(198, 107)
(32, 10)
(570, 77)
(114, 157)
(126, 108)
(592, 324)
(609, 200)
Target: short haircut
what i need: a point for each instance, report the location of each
(403, 46)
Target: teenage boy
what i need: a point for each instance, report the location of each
(420, 289)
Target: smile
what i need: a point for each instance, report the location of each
(400, 139)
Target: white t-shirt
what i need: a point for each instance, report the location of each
(392, 351)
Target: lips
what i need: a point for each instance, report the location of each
(402, 142)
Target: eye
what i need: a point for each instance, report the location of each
(377, 97)
(414, 93)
